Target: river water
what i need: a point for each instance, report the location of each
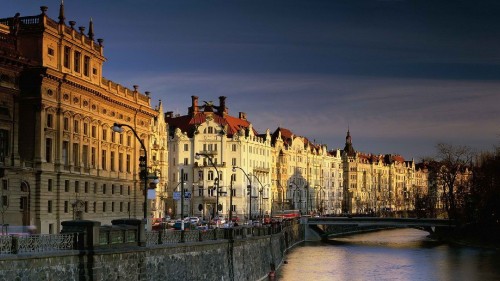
(400, 254)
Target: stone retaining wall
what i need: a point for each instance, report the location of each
(224, 259)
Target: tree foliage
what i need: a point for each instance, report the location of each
(451, 171)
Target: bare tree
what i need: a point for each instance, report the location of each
(454, 163)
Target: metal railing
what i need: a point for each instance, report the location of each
(17, 244)
(117, 236)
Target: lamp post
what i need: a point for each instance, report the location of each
(249, 192)
(261, 190)
(231, 201)
(216, 180)
(143, 165)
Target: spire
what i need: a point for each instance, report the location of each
(91, 30)
(348, 145)
(61, 12)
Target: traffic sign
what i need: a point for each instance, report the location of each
(177, 195)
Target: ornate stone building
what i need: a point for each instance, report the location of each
(381, 184)
(306, 175)
(67, 162)
(223, 142)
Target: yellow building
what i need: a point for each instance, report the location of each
(66, 162)
(305, 175)
(380, 184)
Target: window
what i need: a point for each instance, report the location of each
(48, 150)
(186, 176)
(200, 191)
(76, 154)
(121, 207)
(50, 120)
(112, 161)
(112, 207)
(76, 126)
(66, 124)
(121, 139)
(86, 129)
(93, 131)
(121, 189)
(66, 206)
(95, 206)
(112, 189)
(210, 175)
(104, 189)
(4, 144)
(66, 58)
(66, 186)
(49, 185)
(104, 134)
(103, 207)
(86, 206)
(233, 147)
(210, 130)
(77, 186)
(129, 141)
(103, 162)
(5, 200)
(76, 61)
(92, 157)
(233, 177)
(128, 163)
(186, 147)
(120, 162)
(85, 155)
(113, 137)
(49, 206)
(186, 161)
(95, 187)
(86, 187)
(233, 192)
(128, 190)
(86, 65)
(51, 228)
(233, 162)
(200, 175)
(94, 71)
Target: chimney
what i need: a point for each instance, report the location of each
(194, 106)
(222, 106)
(243, 116)
(169, 114)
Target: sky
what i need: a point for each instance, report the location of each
(401, 75)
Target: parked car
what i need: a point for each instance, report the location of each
(194, 220)
(178, 225)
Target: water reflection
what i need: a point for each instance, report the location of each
(402, 254)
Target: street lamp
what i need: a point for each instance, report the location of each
(143, 166)
(261, 190)
(216, 180)
(249, 193)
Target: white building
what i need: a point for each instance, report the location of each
(221, 142)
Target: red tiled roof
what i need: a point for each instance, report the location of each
(188, 123)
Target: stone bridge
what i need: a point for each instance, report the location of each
(323, 227)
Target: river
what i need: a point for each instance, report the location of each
(400, 254)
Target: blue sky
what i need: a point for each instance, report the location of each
(402, 75)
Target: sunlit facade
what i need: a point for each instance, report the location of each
(66, 161)
(223, 142)
(306, 175)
